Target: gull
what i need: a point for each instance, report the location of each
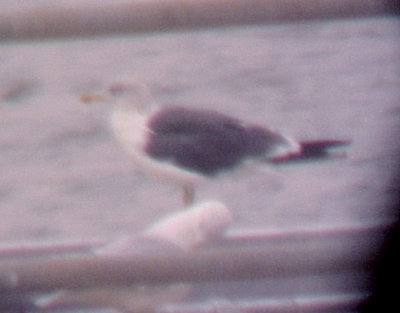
(185, 146)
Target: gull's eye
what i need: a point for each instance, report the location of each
(116, 89)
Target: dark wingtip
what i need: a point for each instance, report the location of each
(314, 150)
(325, 144)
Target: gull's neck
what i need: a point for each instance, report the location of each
(137, 105)
(129, 122)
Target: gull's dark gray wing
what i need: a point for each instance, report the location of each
(205, 141)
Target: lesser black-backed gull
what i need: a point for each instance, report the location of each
(184, 146)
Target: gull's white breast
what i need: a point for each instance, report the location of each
(131, 130)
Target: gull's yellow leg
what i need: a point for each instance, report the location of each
(188, 195)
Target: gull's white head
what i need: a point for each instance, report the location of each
(125, 94)
(128, 93)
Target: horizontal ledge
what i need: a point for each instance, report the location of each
(167, 15)
(208, 264)
(233, 238)
(331, 303)
(43, 249)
